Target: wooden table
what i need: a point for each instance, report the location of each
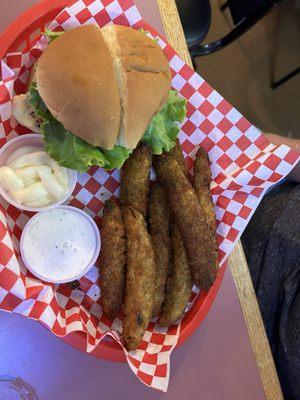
(237, 262)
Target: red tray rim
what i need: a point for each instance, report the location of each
(111, 351)
(13, 35)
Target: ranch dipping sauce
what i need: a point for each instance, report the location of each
(60, 245)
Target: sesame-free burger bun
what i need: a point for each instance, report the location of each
(144, 79)
(75, 78)
(104, 85)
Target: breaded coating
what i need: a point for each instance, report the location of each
(179, 284)
(183, 200)
(139, 292)
(202, 180)
(158, 214)
(112, 260)
(135, 179)
(176, 153)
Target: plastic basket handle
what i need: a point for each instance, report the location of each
(32, 19)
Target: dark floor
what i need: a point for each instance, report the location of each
(241, 72)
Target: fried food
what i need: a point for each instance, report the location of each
(176, 153)
(140, 278)
(188, 213)
(179, 284)
(112, 260)
(135, 179)
(202, 179)
(158, 214)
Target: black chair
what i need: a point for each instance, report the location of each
(195, 16)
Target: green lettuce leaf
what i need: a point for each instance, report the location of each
(69, 150)
(52, 35)
(116, 157)
(162, 132)
(72, 152)
(37, 103)
(147, 33)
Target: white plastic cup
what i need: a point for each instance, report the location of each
(82, 270)
(32, 139)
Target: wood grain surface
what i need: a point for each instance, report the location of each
(237, 261)
(255, 326)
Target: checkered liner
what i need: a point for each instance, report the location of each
(244, 165)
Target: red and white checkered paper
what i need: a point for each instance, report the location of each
(244, 165)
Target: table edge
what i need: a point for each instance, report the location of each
(237, 261)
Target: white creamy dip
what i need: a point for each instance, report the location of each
(60, 245)
(32, 178)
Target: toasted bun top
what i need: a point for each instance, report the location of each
(104, 85)
(75, 78)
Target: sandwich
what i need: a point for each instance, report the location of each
(94, 94)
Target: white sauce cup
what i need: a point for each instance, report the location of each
(60, 245)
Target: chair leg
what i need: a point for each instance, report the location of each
(194, 62)
(239, 30)
(284, 79)
(224, 6)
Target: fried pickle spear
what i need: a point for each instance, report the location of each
(140, 278)
(176, 153)
(112, 260)
(158, 214)
(179, 284)
(202, 179)
(186, 208)
(135, 179)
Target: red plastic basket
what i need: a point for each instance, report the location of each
(19, 35)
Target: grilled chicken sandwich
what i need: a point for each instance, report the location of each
(94, 94)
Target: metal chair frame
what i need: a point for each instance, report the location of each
(242, 27)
